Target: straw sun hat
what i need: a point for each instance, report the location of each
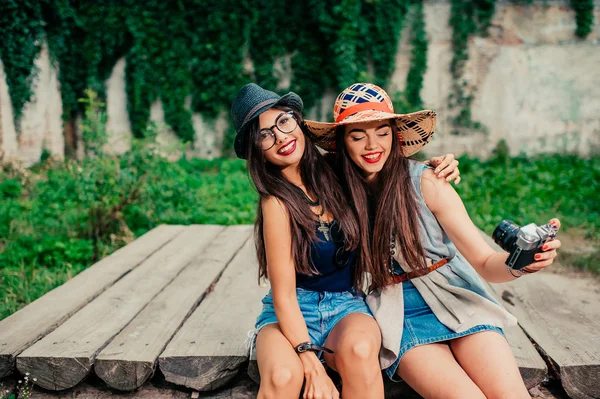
(366, 102)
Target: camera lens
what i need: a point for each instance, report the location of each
(506, 234)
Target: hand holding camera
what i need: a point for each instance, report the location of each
(531, 248)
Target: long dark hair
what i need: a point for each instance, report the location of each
(320, 181)
(394, 209)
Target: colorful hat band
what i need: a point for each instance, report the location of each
(367, 106)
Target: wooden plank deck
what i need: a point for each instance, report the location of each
(561, 330)
(209, 349)
(130, 358)
(21, 329)
(183, 299)
(65, 357)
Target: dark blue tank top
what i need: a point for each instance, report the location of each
(334, 265)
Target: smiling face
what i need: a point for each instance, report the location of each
(369, 145)
(287, 148)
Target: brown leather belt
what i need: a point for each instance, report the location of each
(401, 278)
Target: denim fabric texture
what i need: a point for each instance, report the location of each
(421, 327)
(321, 311)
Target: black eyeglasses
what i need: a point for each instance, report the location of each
(342, 257)
(285, 123)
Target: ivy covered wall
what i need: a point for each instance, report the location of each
(197, 49)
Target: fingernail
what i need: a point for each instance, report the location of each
(537, 257)
(545, 247)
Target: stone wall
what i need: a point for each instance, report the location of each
(535, 85)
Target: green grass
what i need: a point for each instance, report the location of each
(58, 218)
(529, 190)
(45, 227)
(585, 261)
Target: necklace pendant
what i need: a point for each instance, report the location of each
(324, 229)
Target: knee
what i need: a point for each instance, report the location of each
(358, 356)
(282, 378)
(360, 349)
(279, 381)
(363, 349)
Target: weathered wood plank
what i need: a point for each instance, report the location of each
(23, 328)
(209, 348)
(64, 357)
(562, 329)
(130, 358)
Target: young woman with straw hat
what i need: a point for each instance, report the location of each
(441, 330)
(310, 247)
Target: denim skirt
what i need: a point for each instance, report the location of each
(422, 327)
(321, 311)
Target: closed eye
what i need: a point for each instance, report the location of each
(383, 130)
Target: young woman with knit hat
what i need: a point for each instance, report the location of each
(310, 247)
(441, 330)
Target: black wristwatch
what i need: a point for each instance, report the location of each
(309, 346)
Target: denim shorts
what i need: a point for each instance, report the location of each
(321, 311)
(422, 327)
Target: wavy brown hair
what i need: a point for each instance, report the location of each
(393, 208)
(320, 181)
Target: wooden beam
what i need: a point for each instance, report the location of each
(64, 357)
(21, 329)
(130, 358)
(209, 348)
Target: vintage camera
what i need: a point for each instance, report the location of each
(522, 242)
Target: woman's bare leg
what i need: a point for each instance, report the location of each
(434, 373)
(356, 341)
(281, 371)
(487, 358)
